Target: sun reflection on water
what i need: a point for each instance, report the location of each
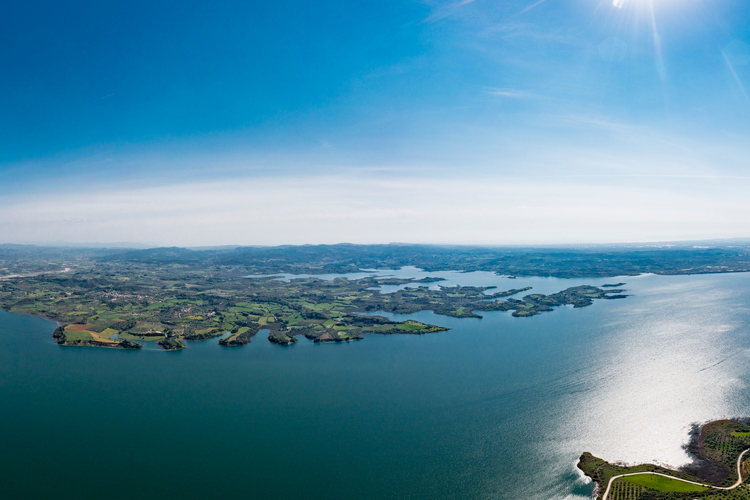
(677, 359)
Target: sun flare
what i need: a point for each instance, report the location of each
(622, 3)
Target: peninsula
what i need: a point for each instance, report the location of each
(719, 471)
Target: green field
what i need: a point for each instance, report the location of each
(107, 333)
(410, 326)
(662, 483)
(78, 336)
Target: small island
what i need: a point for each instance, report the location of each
(720, 468)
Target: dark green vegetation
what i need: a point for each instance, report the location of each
(240, 335)
(720, 443)
(114, 301)
(171, 343)
(561, 262)
(716, 448)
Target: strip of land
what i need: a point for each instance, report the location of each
(703, 486)
(722, 447)
(561, 262)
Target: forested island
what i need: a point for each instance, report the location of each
(115, 299)
(720, 468)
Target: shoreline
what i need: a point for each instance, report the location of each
(25, 313)
(712, 446)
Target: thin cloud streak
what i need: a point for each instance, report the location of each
(735, 75)
(511, 93)
(532, 6)
(103, 97)
(445, 12)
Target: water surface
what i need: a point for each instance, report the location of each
(495, 408)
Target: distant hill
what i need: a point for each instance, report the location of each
(566, 262)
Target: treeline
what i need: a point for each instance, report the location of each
(564, 262)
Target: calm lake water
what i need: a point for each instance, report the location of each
(495, 408)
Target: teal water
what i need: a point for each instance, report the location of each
(494, 408)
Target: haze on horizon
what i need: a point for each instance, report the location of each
(471, 122)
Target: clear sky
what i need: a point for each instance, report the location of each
(476, 121)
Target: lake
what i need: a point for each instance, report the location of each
(498, 407)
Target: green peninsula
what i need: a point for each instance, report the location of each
(719, 471)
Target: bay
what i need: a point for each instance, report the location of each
(494, 408)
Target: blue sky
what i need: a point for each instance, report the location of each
(198, 123)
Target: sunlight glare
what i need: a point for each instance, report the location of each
(619, 4)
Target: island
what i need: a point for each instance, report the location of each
(117, 301)
(720, 468)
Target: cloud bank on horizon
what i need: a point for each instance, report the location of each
(197, 123)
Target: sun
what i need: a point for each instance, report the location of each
(647, 13)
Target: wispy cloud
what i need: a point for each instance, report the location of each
(446, 11)
(510, 93)
(601, 123)
(515, 29)
(101, 98)
(533, 5)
